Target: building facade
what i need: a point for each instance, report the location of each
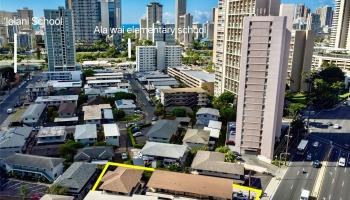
(85, 15)
(159, 57)
(264, 61)
(184, 97)
(154, 15)
(229, 38)
(300, 59)
(340, 27)
(180, 9)
(60, 41)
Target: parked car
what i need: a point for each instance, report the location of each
(330, 124)
(9, 111)
(124, 156)
(342, 162)
(135, 129)
(316, 164)
(154, 118)
(316, 144)
(309, 156)
(137, 134)
(347, 146)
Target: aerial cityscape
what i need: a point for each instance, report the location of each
(174, 99)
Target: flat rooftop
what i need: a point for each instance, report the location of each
(57, 98)
(205, 76)
(52, 131)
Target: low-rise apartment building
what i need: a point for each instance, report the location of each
(184, 97)
(37, 167)
(194, 78)
(57, 100)
(49, 135)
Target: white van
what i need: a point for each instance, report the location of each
(342, 162)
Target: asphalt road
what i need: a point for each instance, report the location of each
(336, 180)
(13, 97)
(142, 99)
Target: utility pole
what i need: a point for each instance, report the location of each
(287, 148)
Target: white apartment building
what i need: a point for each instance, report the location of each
(228, 34)
(159, 57)
(340, 34)
(263, 73)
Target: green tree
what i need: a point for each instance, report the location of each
(88, 73)
(222, 149)
(160, 110)
(118, 114)
(228, 114)
(69, 149)
(124, 95)
(57, 189)
(52, 114)
(112, 52)
(294, 109)
(331, 73)
(179, 112)
(230, 157)
(24, 191)
(224, 99)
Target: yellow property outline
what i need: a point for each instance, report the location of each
(257, 191)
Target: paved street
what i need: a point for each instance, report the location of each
(13, 97)
(141, 98)
(336, 179)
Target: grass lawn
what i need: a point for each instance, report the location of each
(344, 96)
(297, 98)
(132, 118)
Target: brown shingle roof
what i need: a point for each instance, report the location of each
(121, 180)
(189, 183)
(67, 108)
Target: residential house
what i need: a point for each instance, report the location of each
(50, 135)
(108, 116)
(106, 92)
(213, 164)
(168, 185)
(14, 140)
(57, 100)
(67, 110)
(34, 115)
(126, 105)
(112, 134)
(163, 131)
(166, 153)
(204, 115)
(34, 166)
(86, 134)
(93, 114)
(95, 154)
(195, 138)
(122, 181)
(214, 127)
(78, 179)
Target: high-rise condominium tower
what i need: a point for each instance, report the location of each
(154, 15)
(263, 73)
(180, 9)
(340, 36)
(85, 15)
(326, 15)
(60, 40)
(228, 38)
(110, 13)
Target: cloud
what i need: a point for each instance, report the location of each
(201, 16)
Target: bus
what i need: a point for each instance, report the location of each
(302, 147)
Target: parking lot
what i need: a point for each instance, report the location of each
(12, 188)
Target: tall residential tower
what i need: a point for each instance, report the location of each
(264, 62)
(340, 36)
(228, 38)
(180, 9)
(60, 40)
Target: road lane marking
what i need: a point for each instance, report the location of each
(342, 184)
(291, 186)
(330, 197)
(332, 180)
(298, 173)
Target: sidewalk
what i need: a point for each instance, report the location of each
(274, 183)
